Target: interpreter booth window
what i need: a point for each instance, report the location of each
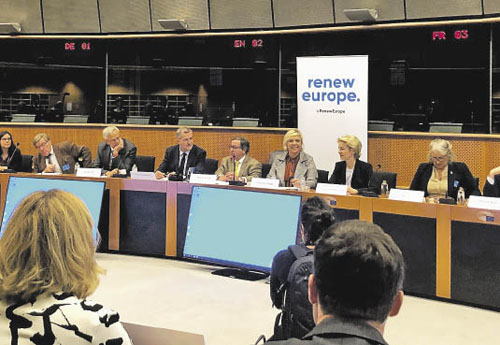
(218, 81)
(51, 80)
(495, 82)
(421, 79)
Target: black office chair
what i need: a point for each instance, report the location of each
(27, 163)
(211, 166)
(378, 177)
(265, 169)
(323, 176)
(145, 163)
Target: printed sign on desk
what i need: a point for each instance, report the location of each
(406, 195)
(265, 182)
(329, 188)
(485, 202)
(142, 175)
(203, 179)
(88, 172)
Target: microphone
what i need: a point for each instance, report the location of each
(234, 167)
(378, 167)
(12, 154)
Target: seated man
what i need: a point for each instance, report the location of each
(179, 158)
(357, 283)
(59, 158)
(115, 152)
(240, 162)
(492, 184)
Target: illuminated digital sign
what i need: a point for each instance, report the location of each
(250, 43)
(77, 46)
(441, 35)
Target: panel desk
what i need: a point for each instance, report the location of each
(451, 252)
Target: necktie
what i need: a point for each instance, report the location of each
(181, 166)
(237, 170)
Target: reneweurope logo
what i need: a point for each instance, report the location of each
(338, 90)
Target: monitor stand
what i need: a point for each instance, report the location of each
(241, 274)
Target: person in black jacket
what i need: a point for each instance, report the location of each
(10, 157)
(492, 184)
(350, 170)
(442, 176)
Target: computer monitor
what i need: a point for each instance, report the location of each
(90, 192)
(239, 228)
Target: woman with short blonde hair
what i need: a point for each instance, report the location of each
(47, 263)
(350, 170)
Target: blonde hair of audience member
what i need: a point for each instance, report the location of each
(353, 143)
(108, 131)
(48, 247)
(289, 135)
(442, 147)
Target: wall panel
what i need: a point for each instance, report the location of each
(195, 12)
(491, 6)
(125, 16)
(445, 8)
(294, 13)
(387, 9)
(240, 14)
(70, 16)
(25, 12)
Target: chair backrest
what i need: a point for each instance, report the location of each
(211, 166)
(378, 177)
(265, 169)
(27, 163)
(145, 163)
(323, 176)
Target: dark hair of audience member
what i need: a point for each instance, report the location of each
(358, 270)
(316, 217)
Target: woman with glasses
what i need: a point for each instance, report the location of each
(47, 271)
(11, 156)
(442, 177)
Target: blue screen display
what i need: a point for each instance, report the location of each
(90, 192)
(240, 228)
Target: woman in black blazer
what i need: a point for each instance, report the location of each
(10, 155)
(441, 176)
(350, 170)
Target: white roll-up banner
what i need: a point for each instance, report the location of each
(332, 100)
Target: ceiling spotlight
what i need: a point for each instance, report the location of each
(361, 14)
(174, 24)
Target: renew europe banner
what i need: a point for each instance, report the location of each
(332, 100)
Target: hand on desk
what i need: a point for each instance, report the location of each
(351, 191)
(494, 172)
(229, 176)
(111, 173)
(50, 168)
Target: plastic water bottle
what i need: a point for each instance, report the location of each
(134, 168)
(461, 196)
(384, 188)
(77, 166)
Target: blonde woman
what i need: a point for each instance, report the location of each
(47, 270)
(293, 165)
(350, 170)
(442, 176)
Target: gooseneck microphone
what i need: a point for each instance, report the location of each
(234, 168)
(12, 154)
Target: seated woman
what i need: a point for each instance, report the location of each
(350, 170)
(442, 177)
(492, 184)
(47, 270)
(316, 217)
(293, 165)
(11, 157)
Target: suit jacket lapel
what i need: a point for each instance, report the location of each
(451, 179)
(59, 157)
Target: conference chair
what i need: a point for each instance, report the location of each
(145, 163)
(27, 163)
(378, 177)
(323, 176)
(211, 166)
(265, 169)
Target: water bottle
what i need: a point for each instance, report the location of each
(134, 168)
(77, 166)
(461, 196)
(384, 188)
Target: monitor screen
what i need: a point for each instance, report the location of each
(90, 192)
(238, 228)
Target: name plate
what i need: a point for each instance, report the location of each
(406, 195)
(486, 202)
(203, 178)
(88, 172)
(329, 188)
(265, 182)
(142, 175)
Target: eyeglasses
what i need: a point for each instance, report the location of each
(234, 147)
(6, 139)
(40, 145)
(438, 159)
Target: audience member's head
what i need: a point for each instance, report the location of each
(48, 247)
(316, 217)
(359, 273)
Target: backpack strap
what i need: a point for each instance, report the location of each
(299, 251)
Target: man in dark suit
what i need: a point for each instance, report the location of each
(59, 158)
(115, 153)
(179, 158)
(357, 283)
